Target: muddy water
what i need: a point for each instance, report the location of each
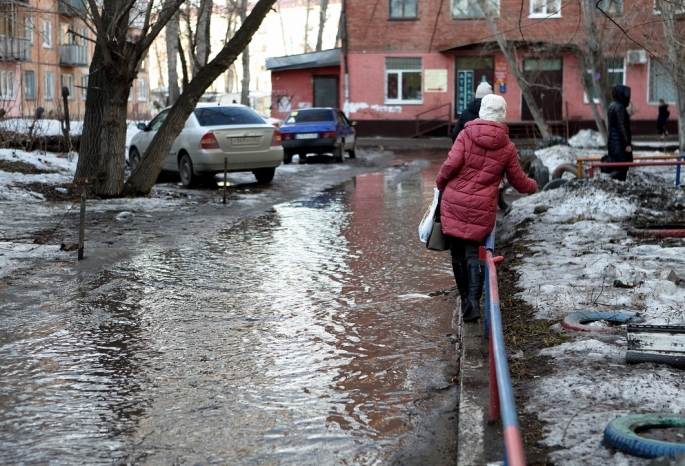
(294, 338)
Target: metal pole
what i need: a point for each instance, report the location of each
(82, 227)
(225, 175)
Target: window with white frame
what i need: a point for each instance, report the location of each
(28, 29)
(67, 81)
(610, 7)
(47, 34)
(403, 80)
(49, 85)
(404, 8)
(660, 81)
(142, 89)
(616, 74)
(84, 86)
(7, 84)
(471, 8)
(66, 37)
(545, 8)
(30, 85)
(83, 32)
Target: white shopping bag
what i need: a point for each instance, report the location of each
(426, 224)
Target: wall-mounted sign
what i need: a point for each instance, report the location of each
(464, 89)
(435, 81)
(501, 70)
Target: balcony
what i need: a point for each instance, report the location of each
(73, 55)
(14, 49)
(71, 7)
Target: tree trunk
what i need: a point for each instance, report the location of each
(245, 83)
(172, 55)
(144, 176)
(306, 27)
(510, 55)
(202, 45)
(322, 23)
(674, 38)
(595, 63)
(587, 82)
(103, 141)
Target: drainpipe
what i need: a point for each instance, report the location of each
(346, 77)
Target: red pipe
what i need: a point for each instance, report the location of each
(591, 172)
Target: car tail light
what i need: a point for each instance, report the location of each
(286, 137)
(208, 141)
(276, 138)
(329, 134)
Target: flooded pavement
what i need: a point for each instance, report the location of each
(302, 336)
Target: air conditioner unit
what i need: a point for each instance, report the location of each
(636, 57)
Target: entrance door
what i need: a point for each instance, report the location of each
(545, 76)
(326, 91)
(469, 73)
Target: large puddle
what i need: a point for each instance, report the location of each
(294, 338)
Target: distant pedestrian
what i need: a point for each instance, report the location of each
(470, 113)
(469, 179)
(661, 119)
(619, 143)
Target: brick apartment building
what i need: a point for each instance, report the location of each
(404, 60)
(39, 56)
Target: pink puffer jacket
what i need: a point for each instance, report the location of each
(470, 179)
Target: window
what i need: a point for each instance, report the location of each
(29, 85)
(220, 116)
(403, 80)
(545, 8)
(83, 31)
(404, 8)
(471, 9)
(6, 23)
(49, 85)
(65, 36)
(660, 81)
(67, 81)
(28, 29)
(84, 86)
(7, 84)
(47, 34)
(156, 123)
(610, 7)
(142, 89)
(616, 73)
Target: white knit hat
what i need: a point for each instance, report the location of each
(493, 107)
(483, 89)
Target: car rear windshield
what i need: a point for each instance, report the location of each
(220, 116)
(304, 116)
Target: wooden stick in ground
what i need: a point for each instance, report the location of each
(82, 228)
(225, 175)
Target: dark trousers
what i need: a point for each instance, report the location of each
(463, 250)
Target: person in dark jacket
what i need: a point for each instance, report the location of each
(662, 117)
(470, 113)
(469, 180)
(619, 143)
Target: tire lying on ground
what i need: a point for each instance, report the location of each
(552, 141)
(554, 184)
(564, 168)
(540, 173)
(622, 434)
(578, 320)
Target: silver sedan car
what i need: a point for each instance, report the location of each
(213, 134)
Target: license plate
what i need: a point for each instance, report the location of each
(307, 136)
(246, 141)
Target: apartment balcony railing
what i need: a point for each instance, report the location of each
(71, 7)
(73, 55)
(14, 49)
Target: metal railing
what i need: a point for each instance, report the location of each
(677, 163)
(71, 7)
(14, 48)
(501, 392)
(441, 118)
(73, 54)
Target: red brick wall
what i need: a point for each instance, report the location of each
(297, 86)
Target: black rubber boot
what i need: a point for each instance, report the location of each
(476, 275)
(460, 276)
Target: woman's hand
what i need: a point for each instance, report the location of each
(629, 148)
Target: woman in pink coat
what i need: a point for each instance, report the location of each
(470, 179)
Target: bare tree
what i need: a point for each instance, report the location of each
(509, 52)
(323, 7)
(172, 55)
(113, 68)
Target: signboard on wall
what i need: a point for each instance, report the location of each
(435, 81)
(464, 89)
(501, 70)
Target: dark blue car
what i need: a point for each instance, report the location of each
(318, 131)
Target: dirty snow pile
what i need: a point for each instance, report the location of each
(580, 245)
(58, 168)
(587, 139)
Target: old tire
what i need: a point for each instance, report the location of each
(565, 168)
(577, 320)
(339, 153)
(540, 173)
(133, 158)
(264, 175)
(554, 184)
(622, 434)
(185, 170)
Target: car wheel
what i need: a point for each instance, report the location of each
(339, 153)
(264, 175)
(353, 151)
(185, 170)
(133, 158)
(287, 157)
